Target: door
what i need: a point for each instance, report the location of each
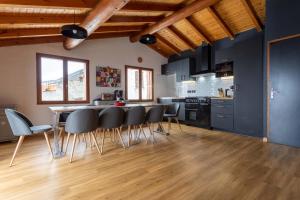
(285, 90)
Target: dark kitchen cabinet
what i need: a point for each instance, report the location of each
(222, 114)
(182, 69)
(247, 57)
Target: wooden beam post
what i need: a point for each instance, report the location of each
(175, 17)
(220, 22)
(100, 14)
(251, 12)
(204, 37)
(169, 44)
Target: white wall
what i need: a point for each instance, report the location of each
(18, 70)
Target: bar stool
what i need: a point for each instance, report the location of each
(172, 112)
(135, 118)
(80, 122)
(111, 119)
(21, 126)
(154, 116)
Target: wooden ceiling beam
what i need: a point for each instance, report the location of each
(40, 32)
(174, 48)
(220, 22)
(184, 38)
(89, 4)
(175, 17)
(104, 10)
(199, 31)
(69, 19)
(158, 49)
(252, 14)
(55, 39)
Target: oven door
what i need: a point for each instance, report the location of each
(199, 117)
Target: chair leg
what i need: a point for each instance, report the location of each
(73, 147)
(179, 125)
(96, 143)
(20, 141)
(103, 138)
(169, 124)
(121, 138)
(142, 130)
(129, 135)
(48, 143)
(68, 138)
(62, 135)
(84, 138)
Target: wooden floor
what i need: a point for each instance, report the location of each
(198, 164)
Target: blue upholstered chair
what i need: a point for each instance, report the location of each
(80, 122)
(172, 112)
(21, 126)
(155, 116)
(134, 119)
(111, 119)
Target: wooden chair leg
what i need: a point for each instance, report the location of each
(48, 143)
(121, 138)
(68, 138)
(62, 135)
(129, 135)
(179, 125)
(84, 138)
(73, 147)
(96, 143)
(169, 124)
(103, 138)
(142, 130)
(20, 141)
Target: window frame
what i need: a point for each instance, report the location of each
(65, 60)
(140, 69)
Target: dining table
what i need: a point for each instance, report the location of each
(58, 110)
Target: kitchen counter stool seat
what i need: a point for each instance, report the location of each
(21, 126)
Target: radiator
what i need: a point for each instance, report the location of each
(5, 131)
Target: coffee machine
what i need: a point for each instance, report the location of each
(118, 94)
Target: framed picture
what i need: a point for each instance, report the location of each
(108, 77)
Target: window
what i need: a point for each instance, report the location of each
(62, 80)
(139, 83)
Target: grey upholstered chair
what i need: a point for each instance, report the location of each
(111, 119)
(79, 122)
(135, 118)
(21, 126)
(155, 116)
(172, 112)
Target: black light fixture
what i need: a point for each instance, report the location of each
(74, 31)
(148, 39)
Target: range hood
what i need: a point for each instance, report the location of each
(204, 62)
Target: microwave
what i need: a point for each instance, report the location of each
(224, 69)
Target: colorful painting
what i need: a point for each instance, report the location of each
(108, 77)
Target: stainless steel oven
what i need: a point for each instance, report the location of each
(197, 111)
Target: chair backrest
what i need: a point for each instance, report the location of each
(135, 116)
(155, 114)
(111, 118)
(82, 121)
(173, 109)
(19, 124)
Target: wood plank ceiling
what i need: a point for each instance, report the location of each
(39, 21)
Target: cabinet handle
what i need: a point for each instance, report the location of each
(220, 106)
(220, 116)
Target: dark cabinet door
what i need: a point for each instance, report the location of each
(248, 87)
(284, 97)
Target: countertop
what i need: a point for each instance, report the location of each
(223, 98)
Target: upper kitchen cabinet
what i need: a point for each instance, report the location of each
(182, 68)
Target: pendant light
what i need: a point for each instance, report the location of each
(74, 31)
(148, 39)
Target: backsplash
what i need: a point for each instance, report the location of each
(203, 86)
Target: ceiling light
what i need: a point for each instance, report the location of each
(74, 31)
(148, 39)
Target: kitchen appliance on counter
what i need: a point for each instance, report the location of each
(118, 94)
(197, 111)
